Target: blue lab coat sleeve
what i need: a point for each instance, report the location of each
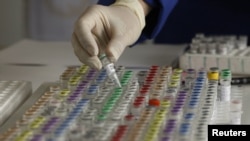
(156, 19)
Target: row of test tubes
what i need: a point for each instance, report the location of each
(83, 96)
(221, 44)
(229, 100)
(152, 118)
(160, 104)
(12, 94)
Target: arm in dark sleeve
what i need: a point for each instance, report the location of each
(156, 19)
(106, 2)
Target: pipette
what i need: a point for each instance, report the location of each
(109, 67)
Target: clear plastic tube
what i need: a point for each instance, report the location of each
(109, 67)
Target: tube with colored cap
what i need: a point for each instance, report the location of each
(109, 67)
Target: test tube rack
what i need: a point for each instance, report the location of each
(160, 103)
(12, 95)
(225, 51)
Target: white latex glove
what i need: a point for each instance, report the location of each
(108, 29)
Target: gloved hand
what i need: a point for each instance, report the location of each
(107, 29)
